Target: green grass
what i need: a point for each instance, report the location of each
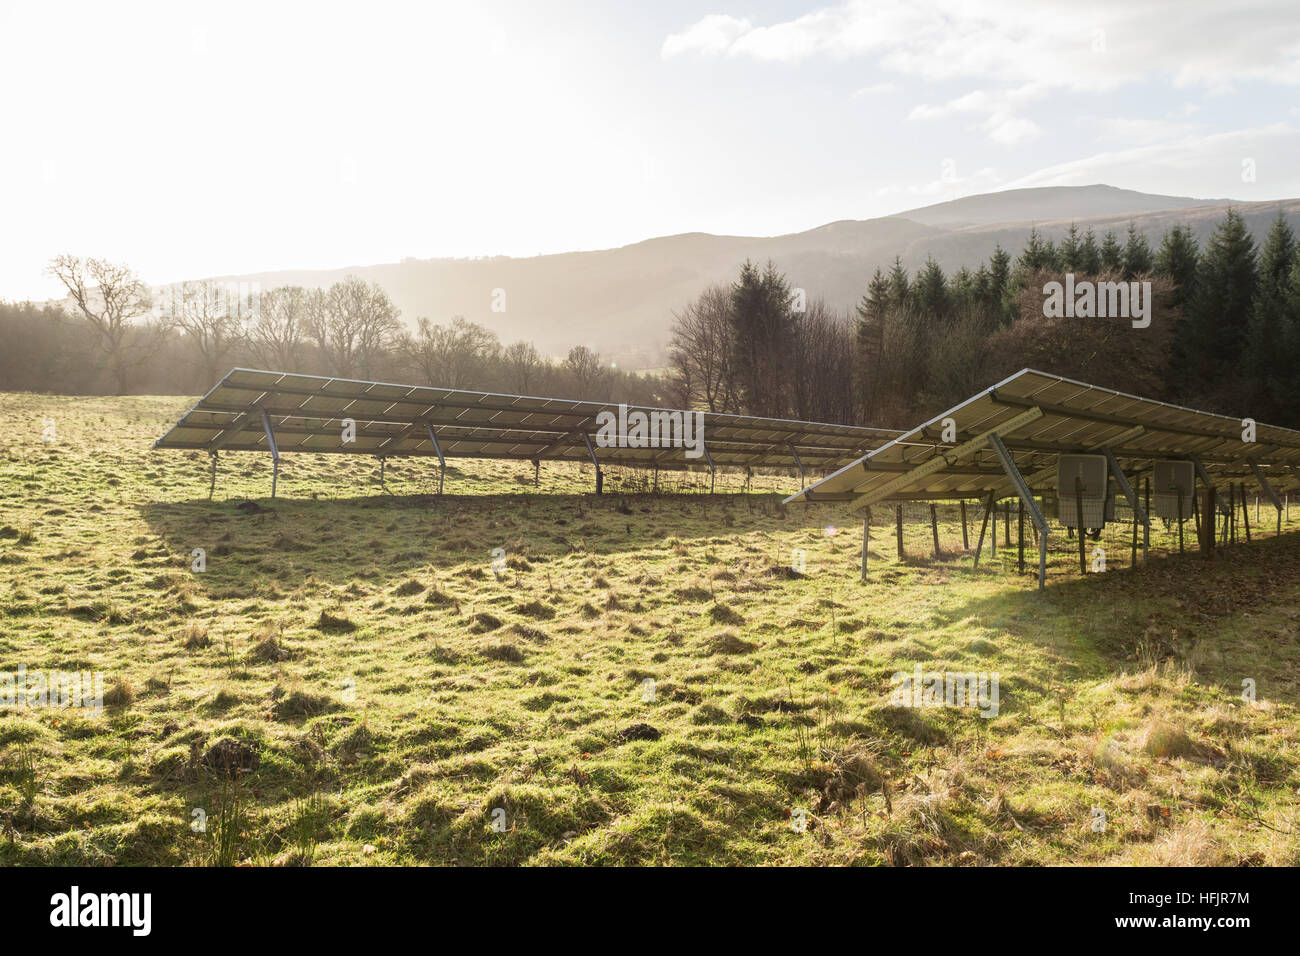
(393, 699)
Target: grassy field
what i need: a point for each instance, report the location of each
(631, 679)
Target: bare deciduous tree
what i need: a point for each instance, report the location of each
(587, 371)
(700, 351)
(522, 365)
(353, 324)
(821, 365)
(204, 312)
(452, 356)
(109, 296)
(278, 329)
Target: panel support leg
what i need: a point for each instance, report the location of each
(993, 537)
(1078, 517)
(984, 527)
(934, 530)
(1027, 502)
(798, 463)
(275, 450)
(1232, 513)
(1245, 512)
(866, 538)
(898, 531)
(600, 477)
(442, 462)
(1208, 534)
(1020, 535)
(212, 486)
(1140, 513)
(1180, 519)
(1042, 560)
(965, 537)
(1146, 528)
(1269, 493)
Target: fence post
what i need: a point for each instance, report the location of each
(1078, 517)
(898, 531)
(1245, 513)
(866, 536)
(1180, 519)
(1021, 535)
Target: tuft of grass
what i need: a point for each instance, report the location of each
(1163, 739)
(25, 773)
(334, 625)
(729, 642)
(721, 613)
(227, 822)
(503, 651)
(120, 693)
(309, 823)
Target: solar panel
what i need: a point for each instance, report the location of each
(306, 413)
(1037, 417)
(1009, 439)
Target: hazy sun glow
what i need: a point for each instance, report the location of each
(202, 140)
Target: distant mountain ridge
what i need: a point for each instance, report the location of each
(620, 301)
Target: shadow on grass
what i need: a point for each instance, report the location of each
(384, 538)
(1224, 618)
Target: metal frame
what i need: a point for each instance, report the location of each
(391, 419)
(442, 462)
(1027, 499)
(1064, 416)
(989, 506)
(275, 450)
(940, 459)
(1118, 473)
(1263, 484)
(798, 462)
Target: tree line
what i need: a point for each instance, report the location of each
(1225, 334)
(116, 335)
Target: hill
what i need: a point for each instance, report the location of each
(620, 301)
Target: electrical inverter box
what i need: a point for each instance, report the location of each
(1083, 477)
(1169, 480)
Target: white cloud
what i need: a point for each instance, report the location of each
(713, 35)
(875, 89)
(1214, 159)
(1141, 132)
(1099, 45)
(950, 184)
(1011, 130)
(1000, 123)
(1010, 46)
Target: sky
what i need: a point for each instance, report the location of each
(192, 140)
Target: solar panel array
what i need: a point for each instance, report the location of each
(1038, 417)
(306, 414)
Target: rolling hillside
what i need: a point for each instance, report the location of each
(620, 301)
